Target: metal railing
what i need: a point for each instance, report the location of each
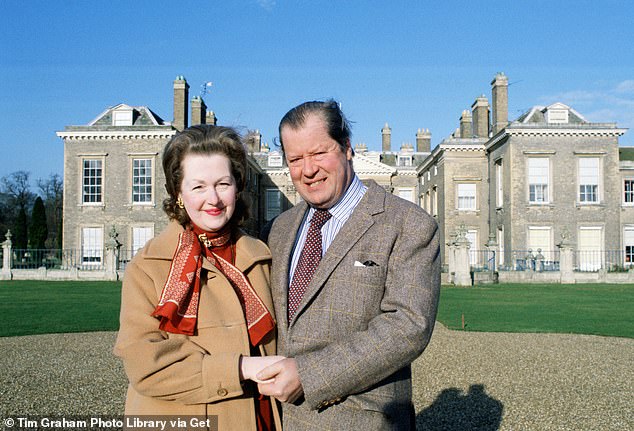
(85, 260)
(65, 259)
(482, 260)
(608, 260)
(539, 260)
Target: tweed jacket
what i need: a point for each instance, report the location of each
(359, 327)
(175, 374)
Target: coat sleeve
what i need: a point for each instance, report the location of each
(394, 337)
(163, 365)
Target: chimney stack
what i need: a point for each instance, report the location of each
(466, 128)
(386, 135)
(423, 141)
(361, 148)
(181, 96)
(211, 118)
(500, 101)
(199, 111)
(480, 109)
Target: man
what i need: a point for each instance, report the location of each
(355, 287)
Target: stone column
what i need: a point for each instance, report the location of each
(494, 248)
(6, 258)
(112, 255)
(566, 259)
(463, 271)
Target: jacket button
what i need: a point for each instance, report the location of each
(222, 392)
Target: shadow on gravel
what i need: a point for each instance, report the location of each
(453, 410)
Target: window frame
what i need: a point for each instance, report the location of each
(472, 198)
(151, 160)
(625, 191)
(597, 192)
(96, 252)
(83, 158)
(545, 187)
(134, 248)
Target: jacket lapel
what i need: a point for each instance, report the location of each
(280, 280)
(351, 232)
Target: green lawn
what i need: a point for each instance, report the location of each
(41, 307)
(601, 309)
(38, 307)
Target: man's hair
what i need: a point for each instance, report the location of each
(204, 140)
(329, 110)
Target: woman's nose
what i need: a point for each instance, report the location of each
(212, 196)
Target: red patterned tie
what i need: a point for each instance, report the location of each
(308, 261)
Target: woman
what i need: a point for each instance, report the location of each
(196, 311)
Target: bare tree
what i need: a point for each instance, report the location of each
(18, 200)
(16, 186)
(52, 192)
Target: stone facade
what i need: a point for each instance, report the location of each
(545, 178)
(113, 177)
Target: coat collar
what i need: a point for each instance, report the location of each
(248, 249)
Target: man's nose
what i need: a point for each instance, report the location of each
(310, 168)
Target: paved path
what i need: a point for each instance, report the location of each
(464, 381)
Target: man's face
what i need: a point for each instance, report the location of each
(320, 171)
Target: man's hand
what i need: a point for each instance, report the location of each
(284, 381)
(251, 365)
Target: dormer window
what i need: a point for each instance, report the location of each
(122, 117)
(557, 116)
(404, 160)
(275, 160)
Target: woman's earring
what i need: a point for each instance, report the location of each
(179, 202)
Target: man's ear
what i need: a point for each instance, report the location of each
(349, 150)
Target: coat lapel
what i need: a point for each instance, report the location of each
(351, 232)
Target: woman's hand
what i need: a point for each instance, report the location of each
(250, 366)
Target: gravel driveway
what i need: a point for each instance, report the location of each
(464, 380)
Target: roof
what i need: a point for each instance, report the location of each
(538, 114)
(141, 116)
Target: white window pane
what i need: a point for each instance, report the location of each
(538, 179)
(407, 194)
(539, 238)
(141, 235)
(466, 196)
(142, 180)
(92, 181)
(589, 249)
(92, 245)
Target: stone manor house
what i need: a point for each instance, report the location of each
(519, 187)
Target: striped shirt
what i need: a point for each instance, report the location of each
(340, 212)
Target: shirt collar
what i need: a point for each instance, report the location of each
(344, 207)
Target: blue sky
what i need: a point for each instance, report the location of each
(413, 64)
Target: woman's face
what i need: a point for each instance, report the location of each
(208, 190)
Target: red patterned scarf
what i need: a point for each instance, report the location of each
(178, 306)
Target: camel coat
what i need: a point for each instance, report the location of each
(174, 374)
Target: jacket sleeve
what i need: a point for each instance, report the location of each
(394, 337)
(163, 365)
